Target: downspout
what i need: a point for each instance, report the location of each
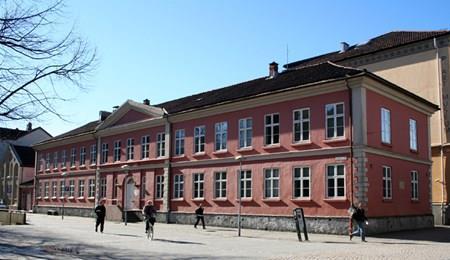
(350, 115)
(168, 149)
(34, 201)
(441, 138)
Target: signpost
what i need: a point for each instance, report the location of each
(299, 216)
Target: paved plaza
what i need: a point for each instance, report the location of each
(49, 237)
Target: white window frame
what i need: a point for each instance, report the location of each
(300, 122)
(412, 134)
(63, 159)
(335, 117)
(300, 180)
(130, 149)
(220, 184)
(54, 188)
(198, 184)
(178, 183)
(271, 183)
(82, 156)
(73, 157)
(386, 126)
(62, 188)
(221, 136)
(271, 126)
(180, 134)
(143, 189)
(199, 139)
(117, 151)
(47, 161)
(245, 132)
(93, 154)
(103, 187)
(55, 160)
(91, 188)
(72, 188)
(161, 144)
(387, 182)
(81, 188)
(46, 189)
(105, 150)
(145, 147)
(336, 177)
(159, 186)
(245, 184)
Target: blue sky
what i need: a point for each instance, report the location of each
(163, 50)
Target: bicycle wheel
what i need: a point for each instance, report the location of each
(150, 232)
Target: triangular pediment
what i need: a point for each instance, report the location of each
(130, 112)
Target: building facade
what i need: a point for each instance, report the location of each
(418, 62)
(299, 138)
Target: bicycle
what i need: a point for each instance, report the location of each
(150, 231)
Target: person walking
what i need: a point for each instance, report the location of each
(360, 217)
(100, 211)
(149, 214)
(199, 214)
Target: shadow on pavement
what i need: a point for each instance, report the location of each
(437, 234)
(177, 241)
(122, 235)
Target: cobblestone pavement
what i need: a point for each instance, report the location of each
(49, 237)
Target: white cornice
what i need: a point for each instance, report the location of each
(133, 126)
(381, 152)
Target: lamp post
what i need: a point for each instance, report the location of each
(239, 158)
(63, 194)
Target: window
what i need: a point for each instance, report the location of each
(80, 188)
(414, 185)
(143, 186)
(47, 161)
(178, 189)
(245, 132)
(385, 126)
(103, 187)
(159, 186)
(130, 149)
(245, 186)
(55, 160)
(117, 151)
(71, 188)
(272, 129)
(115, 187)
(73, 157)
(387, 182)
(221, 136)
(54, 188)
(301, 125)
(91, 188)
(335, 181)
(145, 147)
(104, 153)
(46, 189)
(220, 184)
(93, 154)
(160, 144)
(63, 159)
(335, 120)
(412, 134)
(41, 162)
(271, 183)
(82, 155)
(62, 188)
(39, 191)
(179, 141)
(198, 185)
(302, 182)
(199, 139)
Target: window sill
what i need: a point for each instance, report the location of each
(386, 144)
(179, 156)
(415, 201)
(414, 151)
(47, 170)
(46, 198)
(301, 143)
(71, 198)
(82, 166)
(199, 199)
(335, 140)
(385, 200)
(39, 197)
(177, 199)
(61, 198)
(91, 198)
(245, 199)
(55, 169)
(199, 154)
(271, 146)
(221, 152)
(73, 167)
(80, 198)
(158, 199)
(63, 168)
(220, 199)
(301, 199)
(245, 149)
(271, 200)
(92, 164)
(161, 157)
(53, 198)
(337, 199)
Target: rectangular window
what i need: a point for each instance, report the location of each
(199, 139)
(71, 188)
(55, 160)
(302, 182)
(271, 183)
(47, 161)
(104, 153)
(63, 159)
(103, 187)
(82, 155)
(46, 189)
(73, 157)
(159, 186)
(335, 181)
(245, 132)
(412, 134)
(117, 152)
(62, 188)
(272, 129)
(115, 187)
(130, 149)
(145, 147)
(414, 185)
(143, 186)
(160, 145)
(385, 126)
(179, 142)
(198, 185)
(221, 136)
(91, 188)
(41, 162)
(93, 154)
(80, 188)
(220, 184)
(245, 185)
(178, 189)
(335, 120)
(54, 189)
(387, 182)
(301, 125)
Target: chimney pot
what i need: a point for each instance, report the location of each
(115, 108)
(273, 70)
(146, 102)
(29, 127)
(344, 46)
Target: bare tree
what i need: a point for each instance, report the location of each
(38, 67)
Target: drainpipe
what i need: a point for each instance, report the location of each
(441, 138)
(167, 175)
(350, 115)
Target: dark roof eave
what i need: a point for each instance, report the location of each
(64, 138)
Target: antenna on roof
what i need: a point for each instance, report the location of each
(287, 56)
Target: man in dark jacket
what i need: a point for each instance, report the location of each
(360, 217)
(199, 214)
(100, 210)
(149, 214)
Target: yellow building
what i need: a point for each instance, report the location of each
(419, 62)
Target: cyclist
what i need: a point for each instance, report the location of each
(149, 214)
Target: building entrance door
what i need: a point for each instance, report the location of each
(129, 194)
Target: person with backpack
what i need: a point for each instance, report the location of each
(360, 218)
(149, 215)
(100, 211)
(199, 214)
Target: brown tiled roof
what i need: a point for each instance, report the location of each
(383, 42)
(286, 79)
(25, 155)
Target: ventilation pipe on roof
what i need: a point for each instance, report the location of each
(344, 46)
(115, 108)
(146, 102)
(273, 70)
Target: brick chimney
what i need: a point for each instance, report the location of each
(146, 102)
(29, 127)
(273, 70)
